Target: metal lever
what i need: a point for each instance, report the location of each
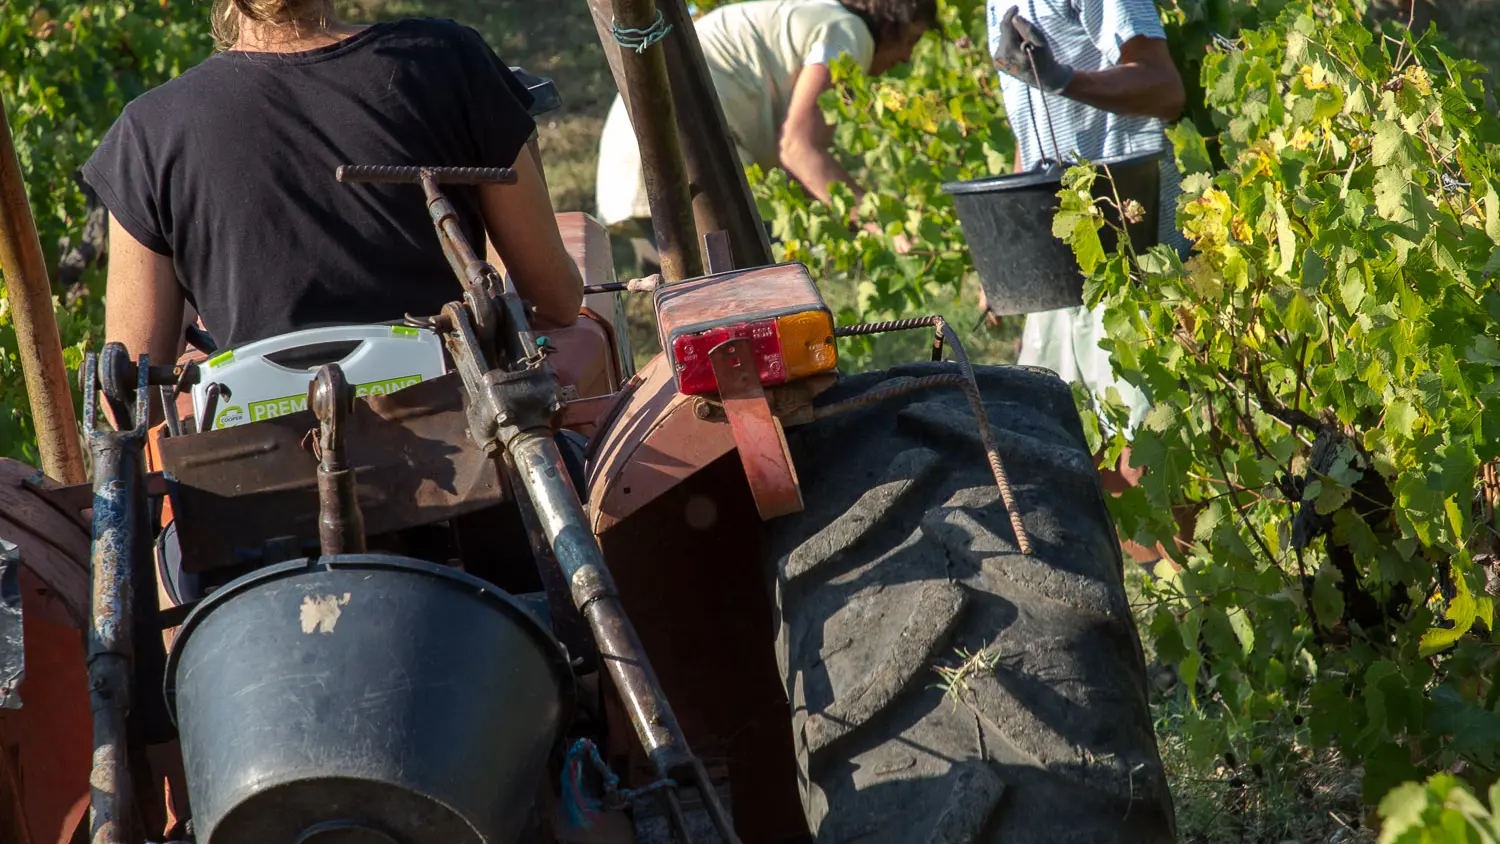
(341, 526)
(514, 407)
(555, 502)
(514, 411)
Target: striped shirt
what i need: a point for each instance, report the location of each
(1086, 35)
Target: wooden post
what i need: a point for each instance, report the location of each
(642, 79)
(29, 292)
(720, 196)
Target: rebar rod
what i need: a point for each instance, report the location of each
(970, 386)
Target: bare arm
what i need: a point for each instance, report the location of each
(524, 232)
(806, 136)
(1144, 82)
(143, 304)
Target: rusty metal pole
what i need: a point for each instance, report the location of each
(720, 195)
(646, 86)
(543, 478)
(29, 292)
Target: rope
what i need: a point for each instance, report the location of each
(639, 39)
(582, 809)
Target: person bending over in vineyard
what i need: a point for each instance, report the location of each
(769, 63)
(221, 191)
(1096, 76)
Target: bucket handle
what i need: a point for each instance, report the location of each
(1046, 110)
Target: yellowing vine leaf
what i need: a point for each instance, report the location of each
(1462, 611)
(1207, 219)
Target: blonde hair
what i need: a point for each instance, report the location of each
(295, 15)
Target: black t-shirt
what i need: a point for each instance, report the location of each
(229, 170)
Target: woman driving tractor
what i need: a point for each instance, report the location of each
(222, 195)
(221, 190)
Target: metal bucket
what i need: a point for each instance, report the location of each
(1007, 221)
(364, 699)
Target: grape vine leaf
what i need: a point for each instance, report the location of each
(1463, 609)
(1389, 144)
(1400, 417)
(1300, 318)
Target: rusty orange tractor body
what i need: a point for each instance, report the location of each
(649, 440)
(385, 616)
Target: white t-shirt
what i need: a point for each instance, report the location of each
(754, 51)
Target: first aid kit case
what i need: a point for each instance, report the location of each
(254, 388)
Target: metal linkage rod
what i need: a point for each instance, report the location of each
(341, 526)
(545, 479)
(121, 549)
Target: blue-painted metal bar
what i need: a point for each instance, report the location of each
(121, 551)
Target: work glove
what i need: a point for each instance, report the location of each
(1018, 37)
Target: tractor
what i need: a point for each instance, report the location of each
(508, 589)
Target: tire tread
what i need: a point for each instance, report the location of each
(905, 558)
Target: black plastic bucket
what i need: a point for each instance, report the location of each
(1007, 221)
(364, 699)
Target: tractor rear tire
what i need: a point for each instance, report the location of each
(904, 561)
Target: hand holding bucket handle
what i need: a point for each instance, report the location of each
(1024, 46)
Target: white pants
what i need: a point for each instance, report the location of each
(1066, 341)
(619, 184)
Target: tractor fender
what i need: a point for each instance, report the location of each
(653, 440)
(45, 745)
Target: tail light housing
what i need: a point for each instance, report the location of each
(777, 307)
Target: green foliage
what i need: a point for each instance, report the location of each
(1193, 29)
(1323, 374)
(67, 70)
(1443, 811)
(904, 134)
